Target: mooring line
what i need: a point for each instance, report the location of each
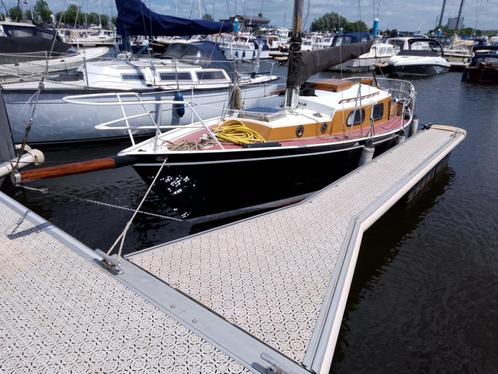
(101, 203)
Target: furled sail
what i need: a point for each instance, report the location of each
(134, 18)
(305, 64)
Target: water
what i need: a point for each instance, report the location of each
(425, 293)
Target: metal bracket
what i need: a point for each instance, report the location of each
(111, 264)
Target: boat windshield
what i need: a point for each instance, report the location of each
(206, 54)
(485, 59)
(399, 43)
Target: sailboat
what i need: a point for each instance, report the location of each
(283, 146)
(196, 70)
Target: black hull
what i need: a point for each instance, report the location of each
(419, 70)
(202, 184)
(480, 75)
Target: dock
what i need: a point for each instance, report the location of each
(265, 295)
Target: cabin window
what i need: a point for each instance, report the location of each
(46, 35)
(19, 32)
(175, 76)
(378, 111)
(355, 117)
(132, 77)
(211, 75)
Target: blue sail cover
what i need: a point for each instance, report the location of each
(134, 18)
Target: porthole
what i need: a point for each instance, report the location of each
(299, 131)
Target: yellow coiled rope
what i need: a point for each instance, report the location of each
(234, 131)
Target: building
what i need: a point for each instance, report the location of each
(250, 23)
(453, 23)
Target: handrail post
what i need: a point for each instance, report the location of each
(205, 126)
(130, 134)
(85, 69)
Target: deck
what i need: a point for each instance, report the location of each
(266, 293)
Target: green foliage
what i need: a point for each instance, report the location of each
(91, 18)
(72, 16)
(15, 13)
(330, 22)
(41, 11)
(467, 32)
(105, 20)
(28, 15)
(207, 17)
(359, 26)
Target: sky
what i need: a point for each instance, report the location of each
(411, 15)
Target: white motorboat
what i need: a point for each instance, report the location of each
(379, 54)
(418, 57)
(92, 37)
(245, 47)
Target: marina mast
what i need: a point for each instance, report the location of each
(291, 94)
(442, 14)
(459, 19)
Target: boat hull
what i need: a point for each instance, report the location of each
(203, 183)
(360, 65)
(422, 70)
(479, 74)
(16, 66)
(57, 121)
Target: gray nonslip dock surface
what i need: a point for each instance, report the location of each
(59, 312)
(266, 293)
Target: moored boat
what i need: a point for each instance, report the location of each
(483, 67)
(379, 54)
(204, 76)
(283, 146)
(418, 57)
(296, 151)
(27, 50)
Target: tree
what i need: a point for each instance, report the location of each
(71, 14)
(358, 26)
(28, 14)
(59, 17)
(15, 13)
(92, 18)
(105, 20)
(328, 22)
(41, 11)
(207, 17)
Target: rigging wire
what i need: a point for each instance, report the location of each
(36, 96)
(121, 238)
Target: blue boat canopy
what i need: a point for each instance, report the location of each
(351, 38)
(134, 18)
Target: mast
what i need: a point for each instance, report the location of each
(459, 20)
(292, 92)
(442, 14)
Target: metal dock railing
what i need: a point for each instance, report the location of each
(266, 294)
